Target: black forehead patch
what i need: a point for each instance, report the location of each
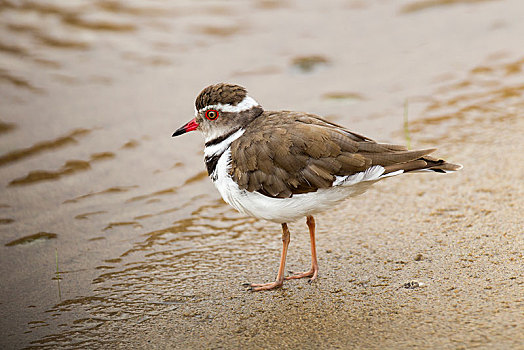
(220, 93)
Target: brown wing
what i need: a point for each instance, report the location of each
(286, 153)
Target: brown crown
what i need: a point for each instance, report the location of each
(220, 93)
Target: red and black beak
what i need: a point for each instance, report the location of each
(189, 126)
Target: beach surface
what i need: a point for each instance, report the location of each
(430, 262)
(112, 236)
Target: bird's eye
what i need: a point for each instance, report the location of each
(212, 114)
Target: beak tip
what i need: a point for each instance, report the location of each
(190, 126)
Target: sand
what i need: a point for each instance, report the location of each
(112, 236)
(459, 237)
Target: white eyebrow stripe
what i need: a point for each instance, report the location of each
(246, 104)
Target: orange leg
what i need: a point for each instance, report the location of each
(280, 276)
(313, 272)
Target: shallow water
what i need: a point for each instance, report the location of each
(104, 217)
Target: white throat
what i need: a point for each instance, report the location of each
(220, 147)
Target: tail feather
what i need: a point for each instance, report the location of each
(425, 163)
(393, 158)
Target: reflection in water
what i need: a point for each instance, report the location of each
(347, 97)
(17, 81)
(111, 225)
(219, 31)
(32, 238)
(117, 189)
(6, 221)
(416, 6)
(6, 127)
(69, 168)
(84, 216)
(489, 94)
(131, 144)
(52, 31)
(158, 274)
(100, 23)
(308, 64)
(167, 191)
(44, 146)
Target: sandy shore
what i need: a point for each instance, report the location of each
(460, 236)
(111, 234)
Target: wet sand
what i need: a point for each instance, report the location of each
(148, 256)
(444, 271)
(418, 262)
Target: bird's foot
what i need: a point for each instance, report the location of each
(313, 273)
(255, 287)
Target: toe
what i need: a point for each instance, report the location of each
(265, 286)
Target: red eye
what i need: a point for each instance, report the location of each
(212, 114)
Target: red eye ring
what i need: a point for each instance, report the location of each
(213, 115)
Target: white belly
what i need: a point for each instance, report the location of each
(282, 210)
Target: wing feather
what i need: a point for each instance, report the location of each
(285, 153)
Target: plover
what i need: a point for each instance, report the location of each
(283, 165)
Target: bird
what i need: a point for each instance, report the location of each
(283, 165)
